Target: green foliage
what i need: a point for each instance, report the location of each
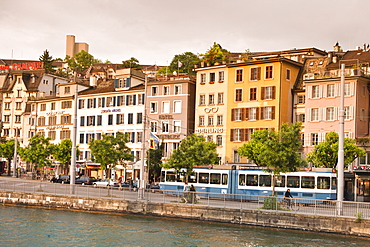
(359, 217)
(216, 54)
(194, 150)
(130, 63)
(110, 150)
(276, 150)
(325, 154)
(155, 160)
(187, 59)
(63, 151)
(80, 61)
(38, 151)
(271, 203)
(48, 61)
(7, 151)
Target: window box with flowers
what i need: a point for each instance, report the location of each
(211, 82)
(220, 81)
(202, 83)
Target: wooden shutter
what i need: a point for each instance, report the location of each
(232, 114)
(232, 131)
(273, 92)
(273, 112)
(246, 114)
(262, 112)
(257, 113)
(262, 93)
(259, 73)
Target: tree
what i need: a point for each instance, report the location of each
(48, 61)
(110, 150)
(216, 54)
(155, 161)
(7, 151)
(193, 150)
(130, 63)
(80, 61)
(325, 154)
(277, 151)
(38, 152)
(62, 153)
(184, 63)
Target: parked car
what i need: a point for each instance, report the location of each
(64, 179)
(84, 180)
(126, 184)
(105, 183)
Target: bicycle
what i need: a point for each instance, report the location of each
(289, 204)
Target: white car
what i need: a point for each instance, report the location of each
(105, 183)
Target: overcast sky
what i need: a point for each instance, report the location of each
(153, 31)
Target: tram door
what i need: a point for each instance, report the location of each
(348, 189)
(363, 190)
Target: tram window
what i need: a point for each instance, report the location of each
(323, 183)
(192, 178)
(308, 182)
(293, 182)
(224, 179)
(265, 180)
(181, 177)
(333, 183)
(215, 178)
(203, 178)
(242, 179)
(252, 180)
(170, 176)
(280, 181)
(163, 176)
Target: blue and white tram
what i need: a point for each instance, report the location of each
(316, 184)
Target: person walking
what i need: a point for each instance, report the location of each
(186, 193)
(119, 181)
(192, 194)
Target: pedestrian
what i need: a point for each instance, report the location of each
(130, 184)
(186, 193)
(192, 194)
(119, 183)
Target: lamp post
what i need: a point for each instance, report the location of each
(72, 170)
(142, 166)
(15, 153)
(340, 166)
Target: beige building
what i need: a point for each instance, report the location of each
(72, 47)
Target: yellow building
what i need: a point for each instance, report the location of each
(259, 96)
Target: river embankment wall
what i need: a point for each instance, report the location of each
(265, 218)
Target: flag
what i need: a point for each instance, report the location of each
(179, 64)
(153, 141)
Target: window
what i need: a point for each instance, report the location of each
(120, 118)
(18, 105)
(220, 98)
(141, 99)
(65, 119)
(238, 95)
(253, 113)
(90, 121)
(362, 115)
(201, 120)
(212, 77)
(347, 89)
(53, 106)
(99, 121)
(293, 181)
(211, 99)
(347, 114)
(315, 114)
(52, 134)
(220, 120)
(139, 118)
(203, 78)
(166, 90)
(66, 104)
(65, 134)
(91, 103)
(253, 93)
(239, 75)
(269, 72)
(154, 127)
(219, 140)
(52, 120)
(165, 127)
(315, 92)
(202, 99)
(264, 181)
(130, 118)
(314, 139)
(301, 99)
(288, 74)
(308, 182)
(110, 119)
(139, 136)
(330, 90)
(256, 74)
(236, 156)
(43, 107)
(82, 121)
(177, 89)
(153, 107)
(237, 114)
(165, 107)
(210, 120)
(67, 90)
(7, 118)
(268, 93)
(176, 126)
(177, 105)
(221, 76)
(268, 112)
(330, 114)
(7, 106)
(110, 101)
(154, 91)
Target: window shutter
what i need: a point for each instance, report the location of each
(94, 102)
(241, 134)
(127, 101)
(263, 93)
(114, 100)
(273, 112)
(351, 112)
(232, 131)
(232, 114)
(134, 99)
(82, 121)
(118, 100)
(88, 103)
(262, 113)
(103, 102)
(80, 104)
(246, 114)
(259, 73)
(246, 133)
(143, 99)
(242, 114)
(273, 92)
(117, 119)
(115, 83)
(257, 113)
(128, 82)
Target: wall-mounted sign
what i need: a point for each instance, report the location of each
(55, 127)
(111, 110)
(165, 117)
(168, 136)
(211, 109)
(209, 130)
(52, 113)
(29, 65)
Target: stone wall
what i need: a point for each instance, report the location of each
(287, 220)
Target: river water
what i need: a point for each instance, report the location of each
(24, 226)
